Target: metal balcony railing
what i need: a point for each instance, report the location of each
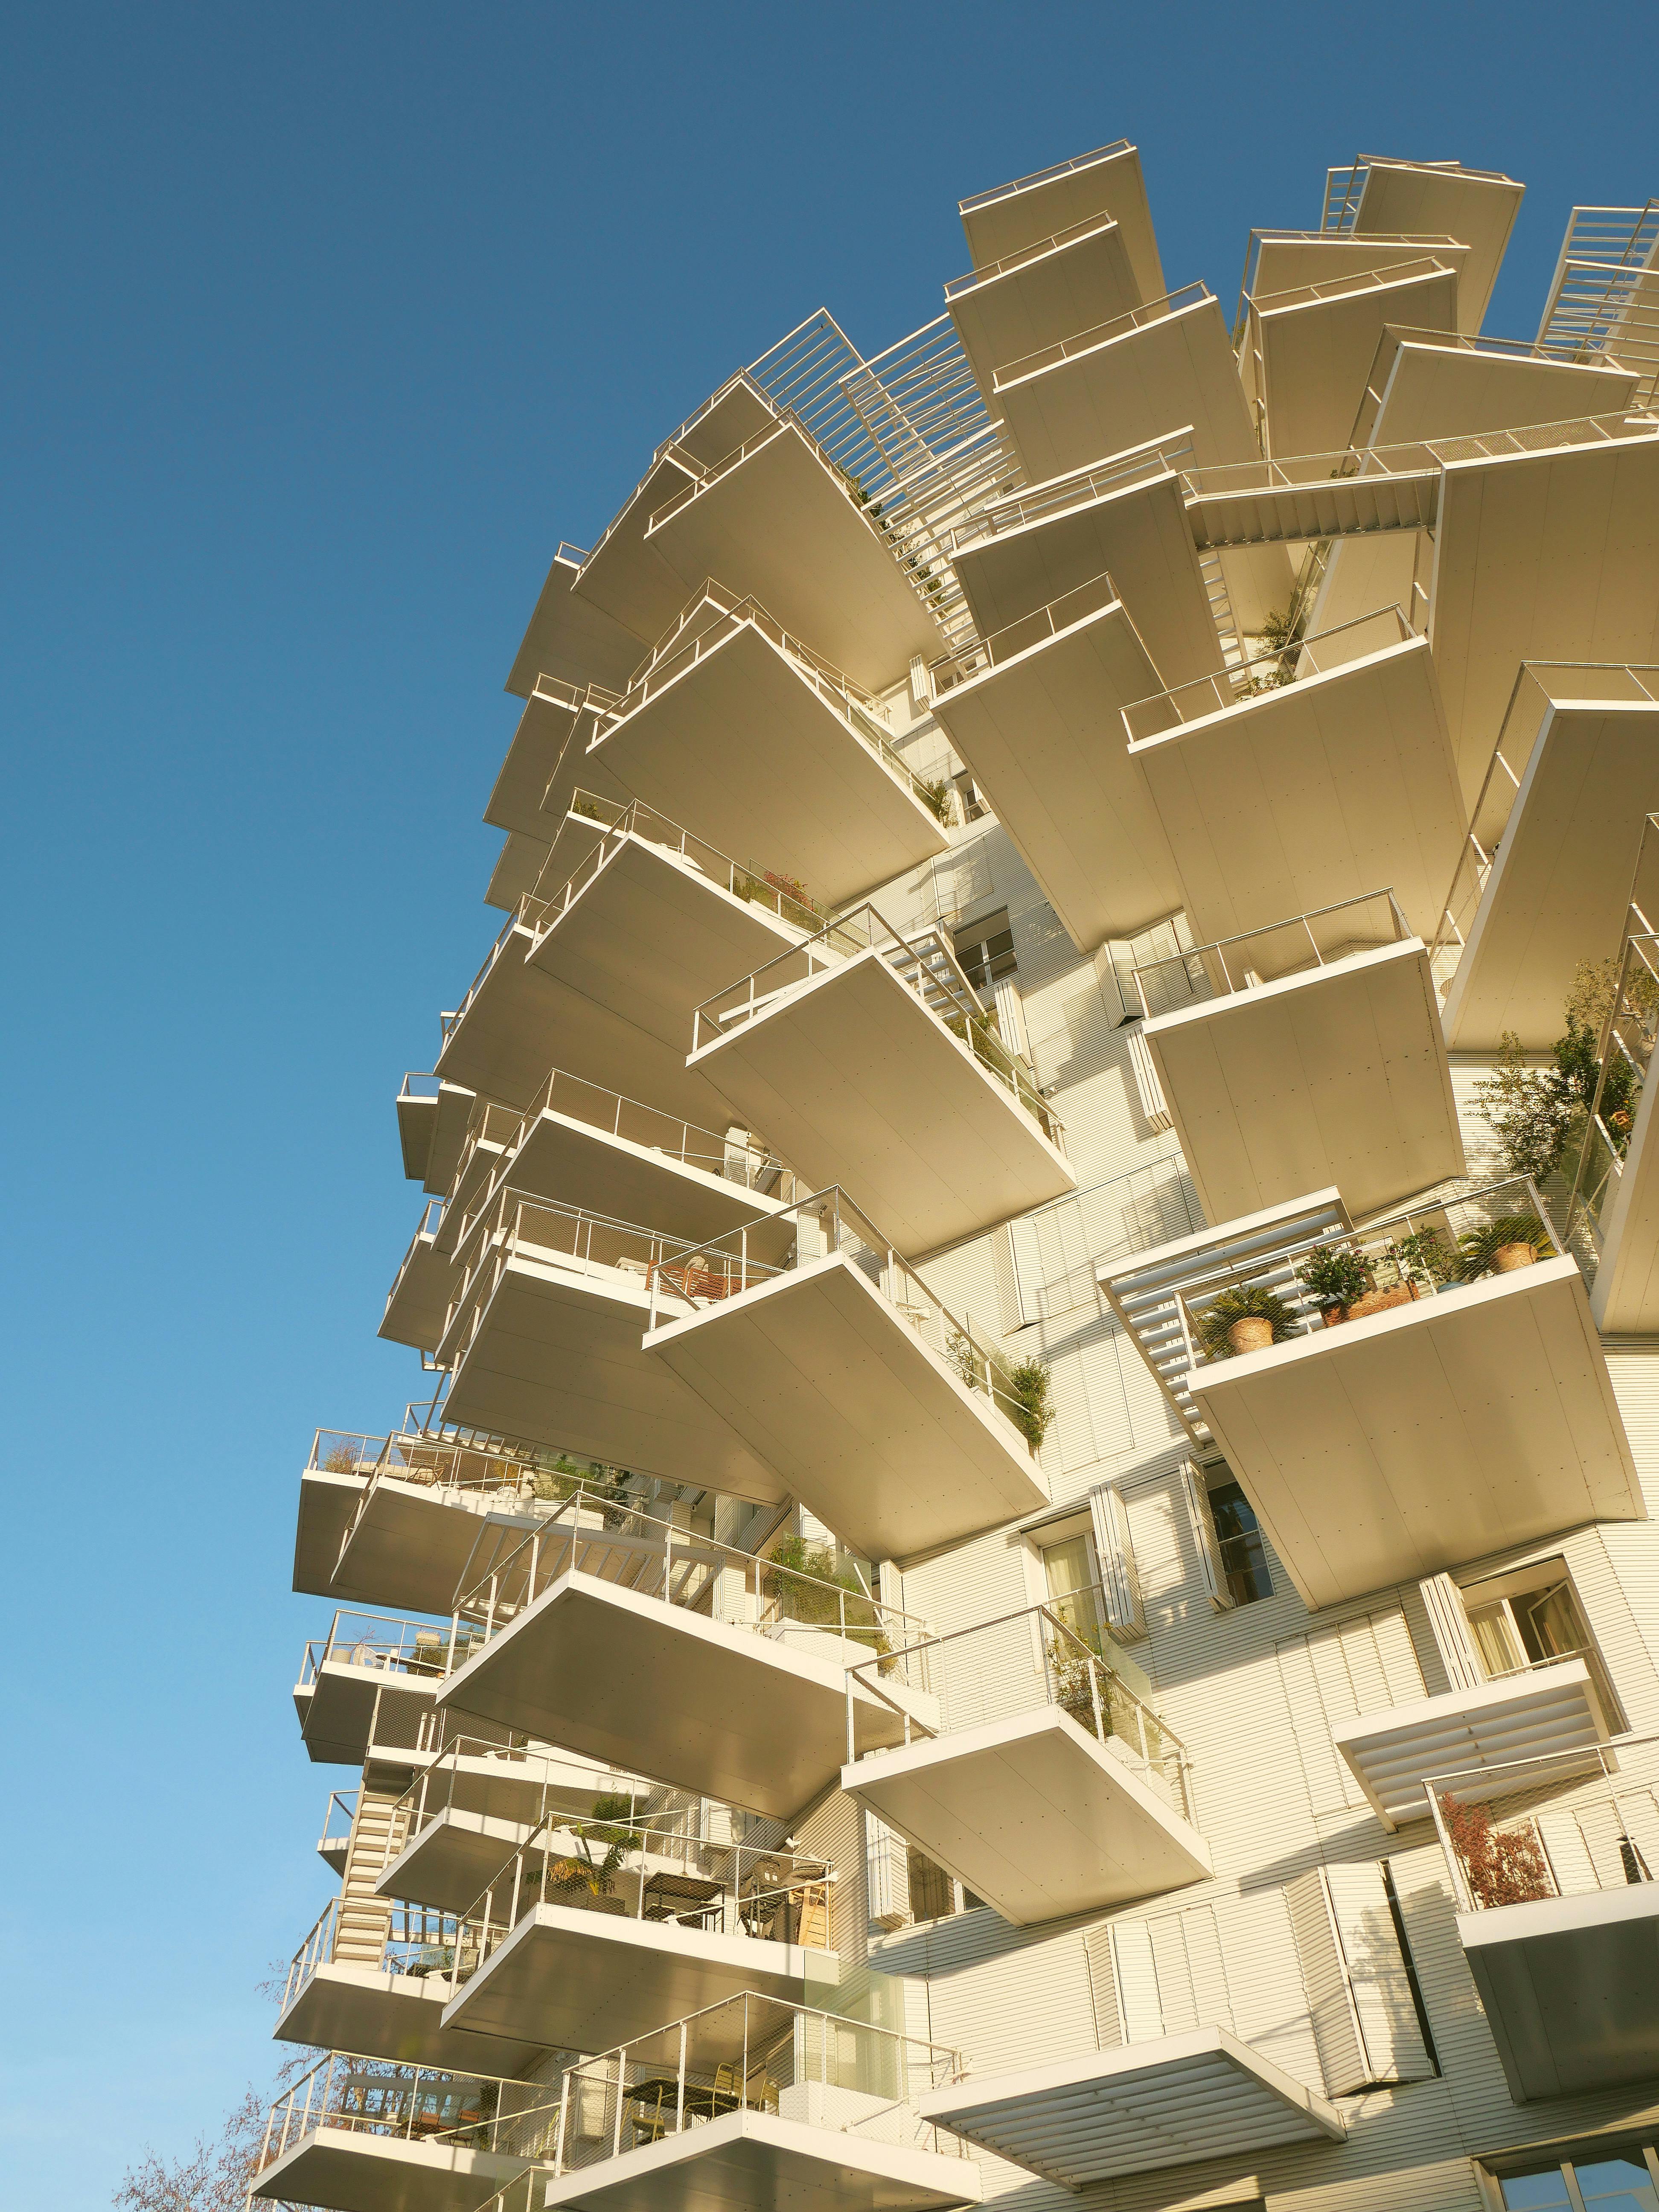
(522, 923)
(655, 1874)
(1344, 186)
(1058, 1654)
(1140, 464)
(829, 1225)
(434, 2106)
(617, 1543)
(1520, 1830)
(924, 962)
(1624, 1051)
(338, 1820)
(1116, 326)
(418, 1942)
(788, 900)
(1316, 654)
(1603, 302)
(753, 2053)
(547, 1779)
(1049, 176)
(1002, 645)
(379, 1644)
(990, 269)
(1295, 947)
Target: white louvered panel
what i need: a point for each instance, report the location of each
(1154, 1107)
(1119, 1581)
(1633, 1371)
(1176, 2002)
(1201, 1524)
(1331, 1787)
(1011, 1997)
(1330, 2002)
(1377, 1974)
(1136, 1981)
(1103, 1987)
(981, 1582)
(1450, 1624)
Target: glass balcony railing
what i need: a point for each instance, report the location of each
(755, 2054)
(379, 2099)
(1520, 1830)
(1058, 1654)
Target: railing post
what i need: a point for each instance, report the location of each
(564, 2121)
(679, 2086)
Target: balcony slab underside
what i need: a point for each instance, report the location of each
(452, 1860)
(1323, 257)
(1168, 2102)
(1398, 199)
(1449, 391)
(858, 1084)
(1539, 556)
(1625, 1298)
(1481, 1417)
(450, 1128)
(756, 1720)
(1560, 879)
(1034, 1815)
(420, 1297)
(586, 1980)
(1316, 793)
(544, 727)
(340, 1707)
(1070, 287)
(1335, 1075)
(1570, 1986)
(327, 1502)
(867, 1425)
(558, 1358)
(380, 2015)
(1546, 1713)
(417, 1123)
(751, 2161)
(776, 526)
(1130, 386)
(410, 1545)
(347, 2169)
(1040, 732)
(648, 939)
(1112, 186)
(743, 746)
(1315, 354)
(572, 639)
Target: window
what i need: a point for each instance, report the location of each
(973, 807)
(1073, 1581)
(1238, 1538)
(934, 1894)
(1528, 1618)
(1625, 2181)
(985, 949)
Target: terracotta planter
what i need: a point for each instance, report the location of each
(1376, 1302)
(1508, 1257)
(1252, 1333)
(1334, 1316)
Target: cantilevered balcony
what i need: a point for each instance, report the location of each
(664, 1653)
(1284, 260)
(1547, 1713)
(1168, 2102)
(1558, 1914)
(370, 1679)
(570, 639)
(597, 1933)
(433, 1119)
(422, 1287)
(736, 726)
(532, 790)
(1543, 873)
(1300, 778)
(1030, 709)
(777, 520)
(1462, 1403)
(1051, 1786)
(332, 1486)
(1305, 1053)
(1440, 384)
(867, 1058)
(1010, 308)
(368, 2135)
(1101, 390)
(754, 2104)
(896, 1424)
(1306, 352)
(1106, 184)
(1377, 195)
(378, 1981)
(544, 1342)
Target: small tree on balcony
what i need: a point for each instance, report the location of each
(1503, 1866)
(600, 1849)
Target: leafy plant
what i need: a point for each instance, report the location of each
(935, 796)
(1280, 639)
(837, 1600)
(1427, 1250)
(1504, 1866)
(600, 1849)
(1335, 1275)
(341, 1461)
(1243, 1301)
(1070, 1670)
(1530, 1110)
(1032, 1410)
(1476, 1249)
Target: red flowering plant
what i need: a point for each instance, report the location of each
(1503, 1866)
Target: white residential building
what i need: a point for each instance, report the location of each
(1032, 1575)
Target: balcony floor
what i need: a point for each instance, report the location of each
(1335, 1075)
(756, 2162)
(1040, 732)
(588, 1980)
(753, 1720)
(1571, 1989)
(345, 2170)
(865, 1423)
(1459, 1423)
(1034, 1815)
(382, 2016)
(858, 1084)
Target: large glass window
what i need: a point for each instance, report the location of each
(1627, 2181)
(1531, 1616)
(1073, 1593)
(1238, 1537)
(985, 949)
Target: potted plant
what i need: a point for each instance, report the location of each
(1426, 1252)
(1336, 1279)
(1513, 1240)
(1247, 1317)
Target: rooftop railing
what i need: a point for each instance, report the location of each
(380, 2098)
(990, 269)
(654, 1873)
(1437, 1248)
(615, 825)
(1057, 1654)
(1520, 1830)
(1049, 176)
(615, 1542)
(756, 2054)
(1316, 654)
(827, 1226)
(1294, 947)
(924, 962)
(1014, 638)
(1115, 326)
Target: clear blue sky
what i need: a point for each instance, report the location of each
(322, 325)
